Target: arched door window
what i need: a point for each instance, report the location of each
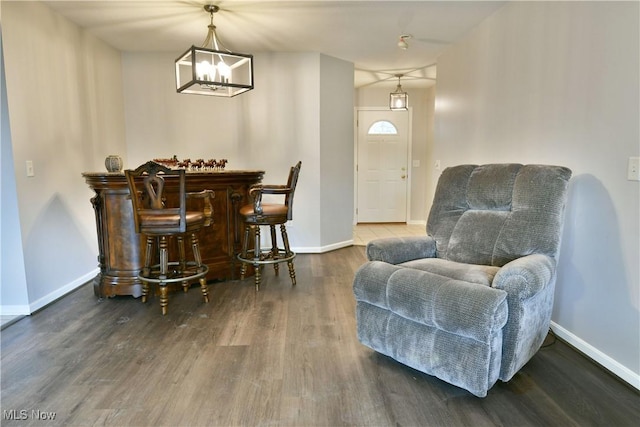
(382, 127)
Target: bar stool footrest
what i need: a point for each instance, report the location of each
(194, 271)
(266, 257)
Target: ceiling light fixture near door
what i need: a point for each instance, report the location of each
(208, 70)
(398, 100)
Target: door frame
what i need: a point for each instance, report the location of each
(355, 158)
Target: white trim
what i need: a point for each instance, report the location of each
(14, 310)
(597, 356)
(322, 249)
(355, 165)
(60, 292)
(409, 170)
(418, 222)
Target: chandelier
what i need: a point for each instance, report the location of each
(398, 100)
(210, 70)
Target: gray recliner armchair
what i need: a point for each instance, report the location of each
(470, 302)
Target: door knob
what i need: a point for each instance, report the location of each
(403, 176)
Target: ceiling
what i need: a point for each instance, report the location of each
(365, 33)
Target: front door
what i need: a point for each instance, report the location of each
(382, 165)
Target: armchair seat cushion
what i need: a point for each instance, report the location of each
(472, 273)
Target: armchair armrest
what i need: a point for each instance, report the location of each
(396, 250)
(269, 189)
(206, 196)
(256, 192)
(525, 277)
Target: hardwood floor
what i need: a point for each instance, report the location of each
(281, 357)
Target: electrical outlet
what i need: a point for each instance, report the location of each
(30, 170)
(633, 169)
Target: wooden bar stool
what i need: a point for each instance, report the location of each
(268, 214)
(158, 222)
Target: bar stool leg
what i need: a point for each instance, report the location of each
(203, 287)
(195, 245)
(164, 272)
(256, 256)
(164, 297)
(182, 261)
(181, 252)
(147, 267)
(274, 248)
(245, 250)
(164, 257)
(285, 240)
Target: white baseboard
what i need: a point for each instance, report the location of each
(322, 249)
(60, 292)
(417, 222)
(14, 310)
(25, 310)
(597, 356)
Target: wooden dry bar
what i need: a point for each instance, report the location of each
(120, 248)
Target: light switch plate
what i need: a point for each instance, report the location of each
(633, 169)
(30, 170)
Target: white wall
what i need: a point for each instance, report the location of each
(64, 97)
(558, 82)
(301, 109)
(161, 123)
(13, 281)
(336, 152)
(281, 125)
(421, 102)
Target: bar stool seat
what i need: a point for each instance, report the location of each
(259, 214)
(275, 213)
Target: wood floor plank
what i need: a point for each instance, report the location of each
(284, 356)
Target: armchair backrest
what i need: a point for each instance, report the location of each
(492, 214)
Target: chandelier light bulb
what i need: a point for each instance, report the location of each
(224, 70)
(205, 71)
